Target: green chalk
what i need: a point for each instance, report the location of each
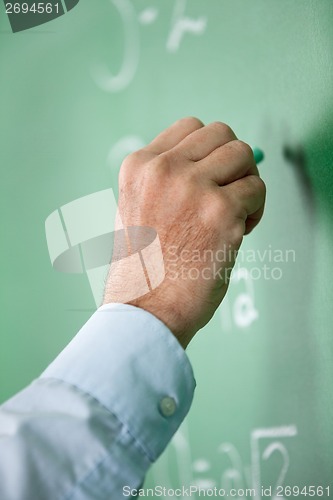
(258, 155)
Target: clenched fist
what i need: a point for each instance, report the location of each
(199, 188)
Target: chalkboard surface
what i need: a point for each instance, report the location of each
(82, 91)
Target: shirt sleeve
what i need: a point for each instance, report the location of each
(91, 425)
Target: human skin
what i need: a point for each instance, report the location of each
(198, 186)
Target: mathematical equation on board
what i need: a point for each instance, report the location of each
(180, 25)
(234, 474)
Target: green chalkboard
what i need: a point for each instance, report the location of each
(80, 92)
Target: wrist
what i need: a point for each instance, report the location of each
(168, 311)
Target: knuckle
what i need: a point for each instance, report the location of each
(258, 184)
(236, 232)
(217, 208)
(163, 162)
(244, 149)
(223, 128)
(130, 164)
(221, 215)
(129, 161)
(141, 165)
(158, 171)
(192, 121)
(136, 157)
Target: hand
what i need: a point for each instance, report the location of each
(199, 188)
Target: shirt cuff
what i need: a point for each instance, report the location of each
(132, 364)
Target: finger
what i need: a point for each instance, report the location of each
(229, 163)
(205, 140)
(248, 199)
(253, 220)
(173, 135)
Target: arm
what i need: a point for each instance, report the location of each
(108, 405)
(199, 188)
(100, 414)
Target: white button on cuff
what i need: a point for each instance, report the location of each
(167, 406)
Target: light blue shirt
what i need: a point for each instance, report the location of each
(100, 414)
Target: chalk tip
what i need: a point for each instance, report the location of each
(258, 155)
